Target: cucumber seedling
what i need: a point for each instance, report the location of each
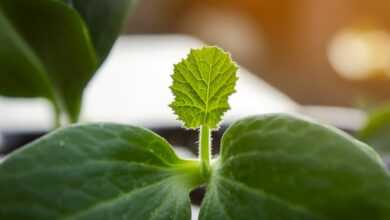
(270, 167)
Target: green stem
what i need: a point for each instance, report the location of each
(205, 149)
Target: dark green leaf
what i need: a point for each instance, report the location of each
(377, 130)
(280, 167)
(104, 19)
(100, 171)
(55, 39)
(52, 48)
(21, 73)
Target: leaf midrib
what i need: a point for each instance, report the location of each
(208, 89)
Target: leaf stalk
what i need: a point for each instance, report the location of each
(205, 150)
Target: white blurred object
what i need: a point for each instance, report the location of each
(344, 118)
(132, 88)
(25, 114)
(185, 153)
(195, 212)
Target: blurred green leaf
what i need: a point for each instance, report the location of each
(56, 35)
(104, 20)
(21, 74)
(376, 132)
(52, 48)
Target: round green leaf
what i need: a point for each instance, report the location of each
(281, 167)
(99, 171)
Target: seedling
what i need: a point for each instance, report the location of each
(270, 167)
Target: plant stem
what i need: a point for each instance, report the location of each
(205, 149)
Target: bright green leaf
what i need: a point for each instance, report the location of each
(55, 34)
(377, 130)
(202, 84)
(99, 171)
(280, 167)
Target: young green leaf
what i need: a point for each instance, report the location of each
(98, 171)
(281, 167)
(202, 84)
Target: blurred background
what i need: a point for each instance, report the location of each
(334, 52)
